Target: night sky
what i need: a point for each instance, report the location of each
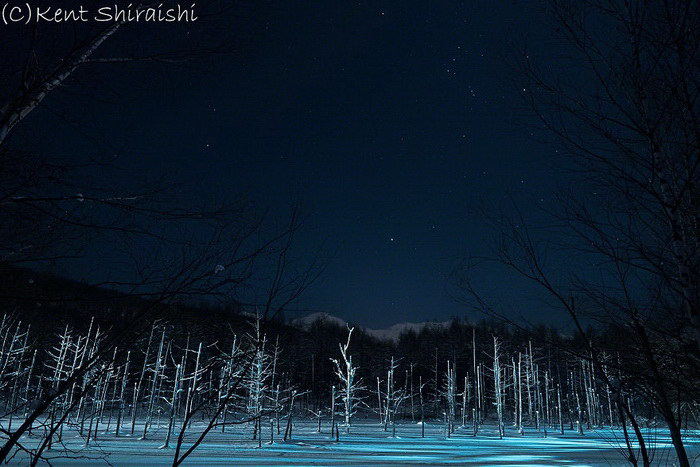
(394, 121)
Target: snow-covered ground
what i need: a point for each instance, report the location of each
(368, 444)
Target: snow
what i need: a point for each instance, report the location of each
(391, 333)
(369, 444)
(308, 320)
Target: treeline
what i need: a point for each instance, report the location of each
(197, 368)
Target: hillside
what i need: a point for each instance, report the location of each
(392, 333)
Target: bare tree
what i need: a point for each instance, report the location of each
(350, 385)
(628, 118)
(51, 205)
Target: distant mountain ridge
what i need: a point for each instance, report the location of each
(391, 333)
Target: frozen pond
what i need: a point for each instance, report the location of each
(369, 444)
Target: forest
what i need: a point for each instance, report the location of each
(158, 186)
(183, 380)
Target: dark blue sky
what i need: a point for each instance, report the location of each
(393, 120)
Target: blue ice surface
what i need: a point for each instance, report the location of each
(368, 444)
